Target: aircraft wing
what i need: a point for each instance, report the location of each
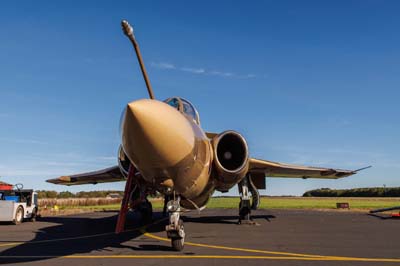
(112, 174)
(274, 169)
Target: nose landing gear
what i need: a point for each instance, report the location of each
(175, 229)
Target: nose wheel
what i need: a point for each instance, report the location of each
(178, 242)
(175, 229)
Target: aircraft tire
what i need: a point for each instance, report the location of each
(178, 243)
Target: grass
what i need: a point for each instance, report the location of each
(308, 203)
(272, 203)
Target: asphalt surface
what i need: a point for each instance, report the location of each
(283, 237)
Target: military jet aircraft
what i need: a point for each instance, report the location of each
(164, 149)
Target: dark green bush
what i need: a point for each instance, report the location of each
(355, 192)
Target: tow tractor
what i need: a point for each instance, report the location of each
(17, 205)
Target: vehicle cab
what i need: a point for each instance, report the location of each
(17, 205)
(185, 107)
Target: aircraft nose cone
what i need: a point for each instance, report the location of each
(155, 136)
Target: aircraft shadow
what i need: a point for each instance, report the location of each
(75, 235)
(78, 235)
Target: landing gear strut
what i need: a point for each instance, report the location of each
(246, 187)
(129, 186)
(135, 198)
(166, 200)
(175, 229)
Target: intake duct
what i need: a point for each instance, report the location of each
(123, 162)
(231, 158)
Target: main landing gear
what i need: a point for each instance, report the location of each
(246, 187)
(175, 229)
(135, 198)
(146, 211)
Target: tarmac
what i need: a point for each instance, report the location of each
(282, 237)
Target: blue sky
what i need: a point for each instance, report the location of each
(307, 82)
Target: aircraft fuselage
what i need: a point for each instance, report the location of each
(169, 149)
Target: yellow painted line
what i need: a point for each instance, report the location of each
(287, 255)
(234, 249)
(55, 240)
(206, 257)
(11, 244)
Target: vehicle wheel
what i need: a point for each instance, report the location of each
(178, 243)
(146, 211)
(19, 215)
(34, 215)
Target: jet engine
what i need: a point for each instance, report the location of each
(231, 159)
(123, 162)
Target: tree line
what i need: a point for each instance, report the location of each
(51, 194)
(355, 192)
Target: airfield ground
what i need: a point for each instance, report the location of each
(283, 237)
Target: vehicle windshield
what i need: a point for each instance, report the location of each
(184, 107)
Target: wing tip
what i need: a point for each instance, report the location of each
(60, 180)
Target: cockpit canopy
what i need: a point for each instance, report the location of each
(185, 107)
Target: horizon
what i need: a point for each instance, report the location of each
(262, 195)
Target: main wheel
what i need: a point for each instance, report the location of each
(178, 243)
(244, 211)
(19, 215)
(146, 211)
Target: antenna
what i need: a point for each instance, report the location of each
(128, 31)
(358, 170)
